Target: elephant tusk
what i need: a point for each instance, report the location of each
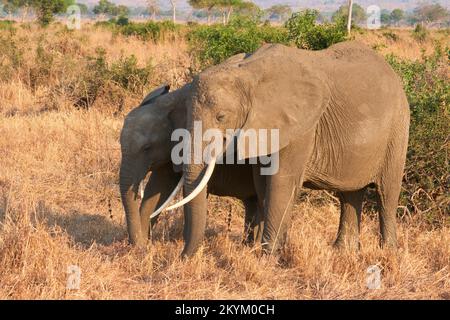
(171, 197)
(203, 183)
(141, 189)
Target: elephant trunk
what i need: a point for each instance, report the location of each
(195, 210)
(128, 191)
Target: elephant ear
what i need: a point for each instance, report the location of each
(287, 99)
(155, 94)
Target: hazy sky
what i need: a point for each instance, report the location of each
(320, 4)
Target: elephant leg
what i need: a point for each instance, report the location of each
(387, 202)
(349, 225)
(254, 222)
(159, 187)
(280, 194)
(388, 189)
(280, 191)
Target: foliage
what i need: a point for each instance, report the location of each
(279, 12)
(426, 181)
(391, 36)
(420, 33)
(149, 30)
(397, 15)
(108, 8)
(430, 12)
(358, 14)
(305, 33)
(214, 44)
(11, 55)
(7, 25)
(123, 21)
(226, 7)
(45, 9)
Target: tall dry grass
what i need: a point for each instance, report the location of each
(60, 206)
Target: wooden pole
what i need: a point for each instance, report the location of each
(350, 11)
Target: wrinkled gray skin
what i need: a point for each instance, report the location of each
(343, 119)
(146, 148)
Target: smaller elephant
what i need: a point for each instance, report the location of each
(146, 149)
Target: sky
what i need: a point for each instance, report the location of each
(319, 4)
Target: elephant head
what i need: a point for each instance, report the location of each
(271, 89)
(145, 149)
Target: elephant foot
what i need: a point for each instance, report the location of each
(347, 245)
(389, 243)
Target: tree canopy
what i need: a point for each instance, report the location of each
(279, 11)
(358, 14)
(108, 8)
(45, 9)
(430, 13)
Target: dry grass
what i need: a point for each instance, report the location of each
(405, 46)
(60, 206)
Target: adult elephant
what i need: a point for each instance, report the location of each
(146, 149)
(343, 121)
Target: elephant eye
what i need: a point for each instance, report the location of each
(147, 148)
(220, 117)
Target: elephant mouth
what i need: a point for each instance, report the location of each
(202, 184)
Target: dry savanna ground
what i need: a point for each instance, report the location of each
(60, 206)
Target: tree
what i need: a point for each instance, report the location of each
(206, 5)
(428, 13)
(248, 8)
(396, 16)
(173, 4)
(153, 8)
(104, 7)
(358, 14)
(12, 6)
(279, 11)
(228, 6)
(9, 8)
(83, 8)
(121, 11)
(385, 17)
(349, 16)
(46, 9)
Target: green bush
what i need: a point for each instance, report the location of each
(427, 177)
(123, 21)
(420, 33)
(127, 74)
(214, 44)
(11, 56)
(151, 30)
(305, 33)
(7, 24)
(391, 36)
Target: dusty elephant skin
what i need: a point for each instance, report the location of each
(343, 119)
(146, 148)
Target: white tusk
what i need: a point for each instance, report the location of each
(141, 189)
(200, 187)
(171, 197)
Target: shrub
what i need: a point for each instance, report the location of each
(426, 181)
(305, 33)
(122, 21)
(214, 44)
(420, 33)
(11, 56)
(391, 36)
(127, 74)
(7, 24)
